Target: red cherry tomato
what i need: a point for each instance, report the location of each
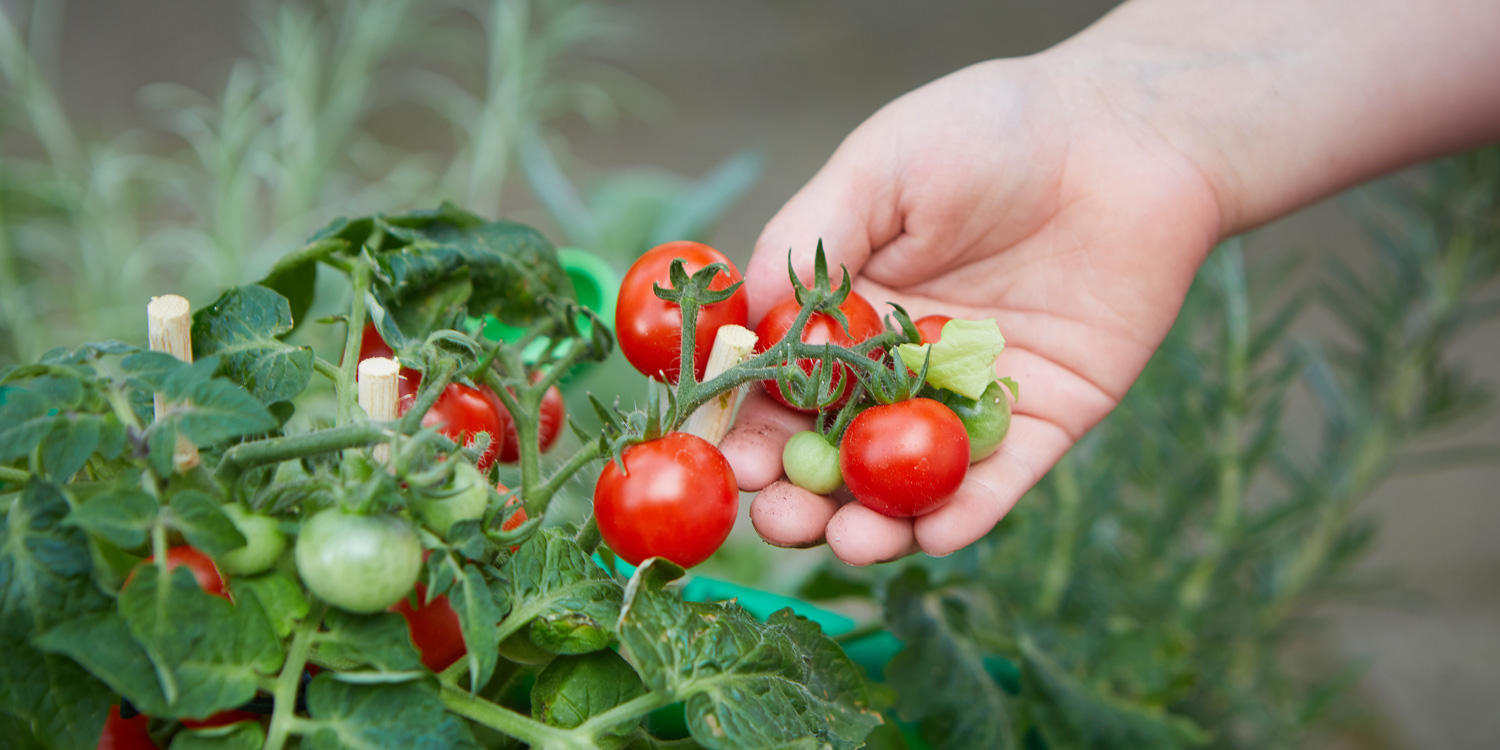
(462, 412)
(434, 629)
(649, 329)
(931, 327)
(905, 459)
(125, 734)
(864, 322)
(549, 426)
(222, 719)
(514, 520)
(199, 564)
(678, 501)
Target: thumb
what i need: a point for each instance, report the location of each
(848, 205)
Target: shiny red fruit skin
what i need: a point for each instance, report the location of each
(199, 564)
(678, 501)
(931, 327)
(434, 629)
(905, 459)
(462, 412)
(649, 329)
(549, 425)
(864, 322)
(125, 734)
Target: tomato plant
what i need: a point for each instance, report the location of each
(905, 459)
(821, 328)
(467, 497)
(361, 563)
(200, 565)
(649, 329)
(676, 498)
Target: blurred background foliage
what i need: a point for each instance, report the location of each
(1157, 590)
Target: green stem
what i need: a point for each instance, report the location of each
(523, 728)
(18, 476)
(329, 370)
(588, 537)
(632, 709)
(347, 395)
(246, 456)
(284, 713)
(585, 454)
(309, 253)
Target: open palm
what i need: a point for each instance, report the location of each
(995, 192)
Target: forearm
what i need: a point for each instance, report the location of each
(1282, 102)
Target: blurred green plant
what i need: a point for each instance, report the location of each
(339, 107)
(1145, 594)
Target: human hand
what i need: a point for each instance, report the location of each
(999, 192)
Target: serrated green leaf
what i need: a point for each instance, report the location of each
(219, 410)
(478, 616)
(122, 515)
(243, 735)
(573, 688)
(406, 716)
(1071, 716)
(570, 602)
(102, 643)
(940, 678)
(45, 580)
(242, 327)
(280, 597)
(208, 653)
(149, 371)
(963, 361)
(73, 440)
(204, 523)
(379, 641)
(25, 421)
(746, 684)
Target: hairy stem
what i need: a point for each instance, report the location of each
(290, 679)
(505, 721)
(344, 385)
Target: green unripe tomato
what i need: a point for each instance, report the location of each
(812, 463)
(470, 502)
(358, 563)
(264, 543)
(986, 418)
(519, 648)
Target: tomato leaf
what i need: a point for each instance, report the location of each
(746, 685)
(218, 410)
(101, 642)
(280, 596)
(963, 361)
(405, 716)
(207, 653)
(25, 420)
(242, 327)
(573, 688)
(940, 678)
(244, 735)
(571, 603)
(478, 614)
(380, 641)
(1073, 716)
(201, 520)
(45, 580)
(122, 515)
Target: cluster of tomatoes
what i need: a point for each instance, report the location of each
(677, 496)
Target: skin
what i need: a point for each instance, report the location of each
(1073, 194)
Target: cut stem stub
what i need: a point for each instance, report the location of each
(733, 345)
(379, 380)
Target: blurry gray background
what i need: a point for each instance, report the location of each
(792, 78)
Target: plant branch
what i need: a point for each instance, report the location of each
(505, 721)
(290, 678)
